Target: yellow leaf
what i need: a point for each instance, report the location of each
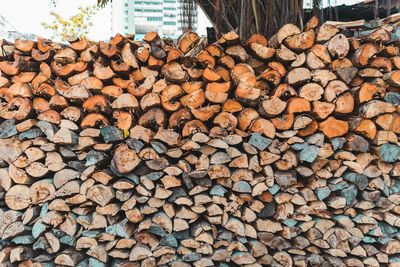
(126, 133)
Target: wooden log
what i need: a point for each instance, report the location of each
(96, 103)
(205, 113)
(17, 197)
(283, 122)
(263, 126)
(286, 31)
(326, 32)
(322, 109)
(392, 78)
(179, 118)
(333, 89)
(261, 51)
(173, 72)
(247, 95)
(311, 91)
(339, 46)
(18, 108)
(102, 72)
(100, 194)
(125, 159)
(344, 104)
(271, 76)
(323, 77)
(94, 119)
(313, 62)
(374, 108)
(120, 66)
(285, 54)
(389, 122)
(298, 76)
(319, 55)
(332, 127)
(128, 56)
(154, 118)
(187, 41)
(272, 107)
(69, 257)
(285, 91)
(302, 41)
(298, 105)
(363, 54)
(237, 51)
(311, 24)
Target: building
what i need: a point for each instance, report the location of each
(9, 33)
(308, 4)
(138, 17)
(13, 35)
(2, 28)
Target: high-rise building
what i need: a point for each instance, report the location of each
(308, 4)
(2, 27)
(8, 32)
(139, 17)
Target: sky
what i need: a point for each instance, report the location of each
(26, 16)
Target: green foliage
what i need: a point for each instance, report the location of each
(78, 25)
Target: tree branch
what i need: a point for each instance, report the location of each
(256, 16)
(222, 13)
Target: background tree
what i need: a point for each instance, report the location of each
(188, 14)
(255, 16)
(249, 16)
(78, 25)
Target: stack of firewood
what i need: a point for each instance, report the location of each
(238, 153)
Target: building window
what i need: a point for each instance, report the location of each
(181, 21)
(141, 31)
(181, 29)
(148, 10)
(147, 3)
(169, 23)
(170, 1)
(169, 8)
(169, 15)
(154, 18)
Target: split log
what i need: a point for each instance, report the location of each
(287, 31)
(332, 127)
(260, 152)
(302, 41)
(364, 53)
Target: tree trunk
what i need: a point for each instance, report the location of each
(270, 21)
(243, 18)
(376, 10)
(317, 10)
(249, 17)
(388, 7)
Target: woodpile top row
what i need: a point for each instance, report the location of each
(280, 152)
